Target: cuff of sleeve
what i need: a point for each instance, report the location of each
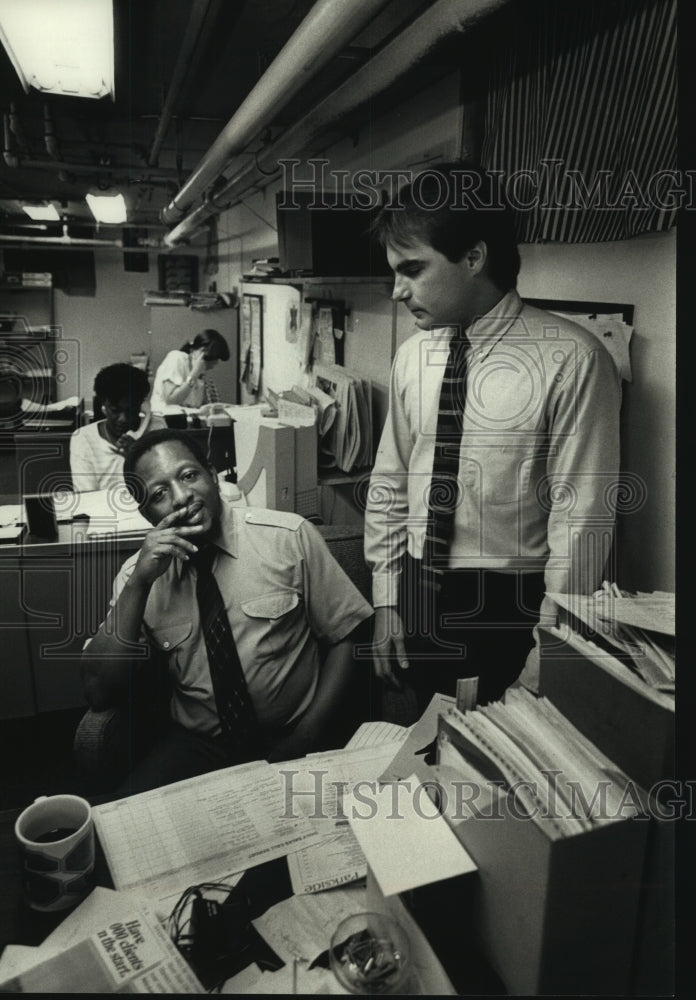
(385, 590)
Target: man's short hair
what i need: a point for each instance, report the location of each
(146, 443)
(121, 381)
(452, 206)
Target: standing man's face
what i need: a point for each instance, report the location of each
(435, 290)
(174, 479)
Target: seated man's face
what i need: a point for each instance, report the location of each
(173, 478)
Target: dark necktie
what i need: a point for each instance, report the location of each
(234, 706)
(445, 489)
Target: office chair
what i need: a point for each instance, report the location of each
(106, 743)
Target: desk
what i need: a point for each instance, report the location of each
(264, 886)
(53, 596)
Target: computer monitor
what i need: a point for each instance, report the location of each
(276, 464)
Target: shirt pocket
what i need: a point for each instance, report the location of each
(276, 618)
(170, 637)
(507, 473)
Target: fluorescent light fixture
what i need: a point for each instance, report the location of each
(107, 208)
(42, 213)
(61, 46)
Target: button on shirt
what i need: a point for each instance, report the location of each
(538, 459)
(283, 592)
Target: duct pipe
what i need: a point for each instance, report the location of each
(197, 16)
(17, 129)
(444, 18)
(143, 175)
(9, 155)
(329, 26)
(66, 241)
(50, 138)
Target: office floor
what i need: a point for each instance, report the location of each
(37, 757)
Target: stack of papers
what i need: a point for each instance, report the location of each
(199, 830)
(12, 522)
(348, 442)
(639, 625)
(109, 944)
(525, 749)
(107, 512)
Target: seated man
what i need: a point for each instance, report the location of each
(258, 645)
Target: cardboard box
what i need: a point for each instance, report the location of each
(550, 916)
(634, 728)
(556, 916)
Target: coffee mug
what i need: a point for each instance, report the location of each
(56, 841)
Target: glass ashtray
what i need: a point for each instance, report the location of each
(369, 953)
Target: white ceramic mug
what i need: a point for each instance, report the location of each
(56, 840)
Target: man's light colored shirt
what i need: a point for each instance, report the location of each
(539, 454)
(283, 592)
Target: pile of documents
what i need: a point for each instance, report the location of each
(526, 749)
(347, 443)
(109, 944)
(640, 626)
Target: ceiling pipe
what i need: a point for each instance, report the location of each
(160, 174)
(17, 128)
(9, 155)
(50, 138)
(199, 10)
(74, 241)
(443, 19)
(329, 26)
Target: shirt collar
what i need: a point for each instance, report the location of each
(485, 332)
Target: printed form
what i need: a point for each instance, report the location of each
(199, 830)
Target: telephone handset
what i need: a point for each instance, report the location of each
(145, 415)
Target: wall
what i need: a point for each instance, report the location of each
(639, 271)
(107, 327)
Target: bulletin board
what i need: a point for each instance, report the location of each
(251, 343)
(611, 322)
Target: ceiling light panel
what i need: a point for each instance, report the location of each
(42, 213)
(61, 46)
(107, 208)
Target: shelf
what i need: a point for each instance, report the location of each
(315, 280)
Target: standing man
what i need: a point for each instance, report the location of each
(251, 612)
(496, 473)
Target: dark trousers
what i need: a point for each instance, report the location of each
(179, 753)
(479, 625)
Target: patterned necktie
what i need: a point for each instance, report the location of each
(211, 391)
(445, 489)
(234, 706)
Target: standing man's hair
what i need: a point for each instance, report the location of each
(453, 206)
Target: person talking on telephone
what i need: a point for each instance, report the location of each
(122, 414)
(182, 379)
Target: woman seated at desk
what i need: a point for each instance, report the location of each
(182, 380)
(97, 451)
